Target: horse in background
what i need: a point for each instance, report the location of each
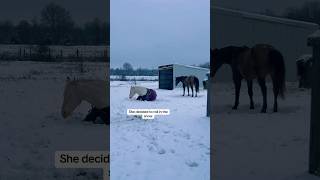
(94, 92)
(144, 94)
(250, 63)
(188, 81)
(304, 71)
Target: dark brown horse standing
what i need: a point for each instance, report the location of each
(250, 63)
(188, 81)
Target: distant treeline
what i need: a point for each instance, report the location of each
(309, 12)
(135, 72)
(128, 70)
(54, 27)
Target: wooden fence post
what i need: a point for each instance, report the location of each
(314, 151)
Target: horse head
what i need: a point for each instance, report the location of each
(216, 60)
(70, 99)
(132, 92)
(179, 79)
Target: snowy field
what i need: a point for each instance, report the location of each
(169, 147)
(253, 146)
(247, 145)
(31, 126)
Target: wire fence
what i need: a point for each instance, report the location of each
(54, 53)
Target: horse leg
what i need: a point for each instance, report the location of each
(195, 89)
(191, 89)
(262, 83)
(188, 90)
(237, 83)
(184, 88)
(275, 95)
(250, 92)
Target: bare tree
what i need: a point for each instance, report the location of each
(58, 22)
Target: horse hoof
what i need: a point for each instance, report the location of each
(263, 111)
(234, 107)
(251, 107)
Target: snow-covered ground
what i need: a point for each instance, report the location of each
(247, 145)
(169, 147)
(31, 126)
(253, 146)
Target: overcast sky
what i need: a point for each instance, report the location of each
(81, 10)
(149, 33)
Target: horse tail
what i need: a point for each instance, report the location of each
(196, 82)
(279, 80)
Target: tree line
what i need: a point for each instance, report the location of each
(55, 27)
(309, 12)
(128, 70)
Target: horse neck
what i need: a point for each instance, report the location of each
(183, 79)
(89, 96)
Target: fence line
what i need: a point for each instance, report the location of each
(54, 53)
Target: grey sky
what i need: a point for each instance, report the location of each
(149, 33)
(81, 10)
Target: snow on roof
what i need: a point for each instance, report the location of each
(194, 67)
(261, 17)
(315, 34)
(305, 57)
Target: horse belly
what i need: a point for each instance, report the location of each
(247, 70)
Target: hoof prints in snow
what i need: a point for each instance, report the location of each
(192, 164)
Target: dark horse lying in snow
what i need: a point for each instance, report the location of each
(250, 63)
(94, 113)
(188, 81)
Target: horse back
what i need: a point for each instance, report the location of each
(256, 62)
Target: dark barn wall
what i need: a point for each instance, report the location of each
(230, 27)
